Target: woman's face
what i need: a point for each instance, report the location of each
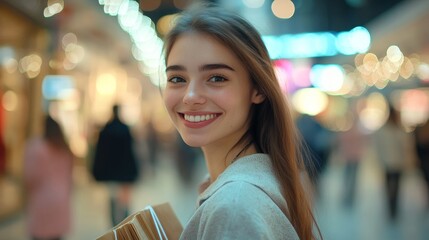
(208, 93)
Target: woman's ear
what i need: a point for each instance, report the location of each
(257, 97)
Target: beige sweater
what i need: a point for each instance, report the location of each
(243, 203)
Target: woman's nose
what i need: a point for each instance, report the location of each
(194, 94)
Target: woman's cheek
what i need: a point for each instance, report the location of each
(170, 100)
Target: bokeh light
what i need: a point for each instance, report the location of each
(309, 101)
(283, 8)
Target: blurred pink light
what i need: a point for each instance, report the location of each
(291, 77)
(415, 100)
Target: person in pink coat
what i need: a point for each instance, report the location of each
(48, 166)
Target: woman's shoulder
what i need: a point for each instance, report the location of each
(241, 209)
(241, 196)
(246, 182)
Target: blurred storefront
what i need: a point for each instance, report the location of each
(74, 68)
(24, 42)
(325, 80)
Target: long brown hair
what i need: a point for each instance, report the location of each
(272, 128)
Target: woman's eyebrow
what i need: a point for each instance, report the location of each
(215, 66)
(175, 68)
(205, 67)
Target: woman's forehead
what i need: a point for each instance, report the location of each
(202, 47)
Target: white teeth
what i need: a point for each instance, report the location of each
(199, 118)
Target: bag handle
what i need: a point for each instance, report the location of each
(159, 228)
(114, 233)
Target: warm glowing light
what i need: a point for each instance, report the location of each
(395, 55)
(374, 114)
(53, 7)
(388, 67)
(385, 69)
(348, 85)
(414, 105)
(370, 62)
(165, 23)
(423, 72)
(10, 100)
(69, 38)
(106, 84)
(310, 101)
(407, 68)
(283, 8)
(67, 65)
(394, 76)
(74, 53)
(30, 65)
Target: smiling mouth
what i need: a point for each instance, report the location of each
(198, 118)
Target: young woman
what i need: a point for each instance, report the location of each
(48, 164)
(223, 96)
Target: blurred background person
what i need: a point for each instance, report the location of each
(48, 164)
(115, 163)
(393, 148)
(421, 136)
(318, 141)
(351, 146)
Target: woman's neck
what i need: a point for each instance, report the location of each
(218, 158)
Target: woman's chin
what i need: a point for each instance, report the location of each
(192, 142)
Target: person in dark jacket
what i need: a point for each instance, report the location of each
(115, 163)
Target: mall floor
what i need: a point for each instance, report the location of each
(366, 219)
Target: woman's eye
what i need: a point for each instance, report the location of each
(217, 79)
(176, 80)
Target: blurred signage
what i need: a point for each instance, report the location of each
(56, 87)
(308, 45)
